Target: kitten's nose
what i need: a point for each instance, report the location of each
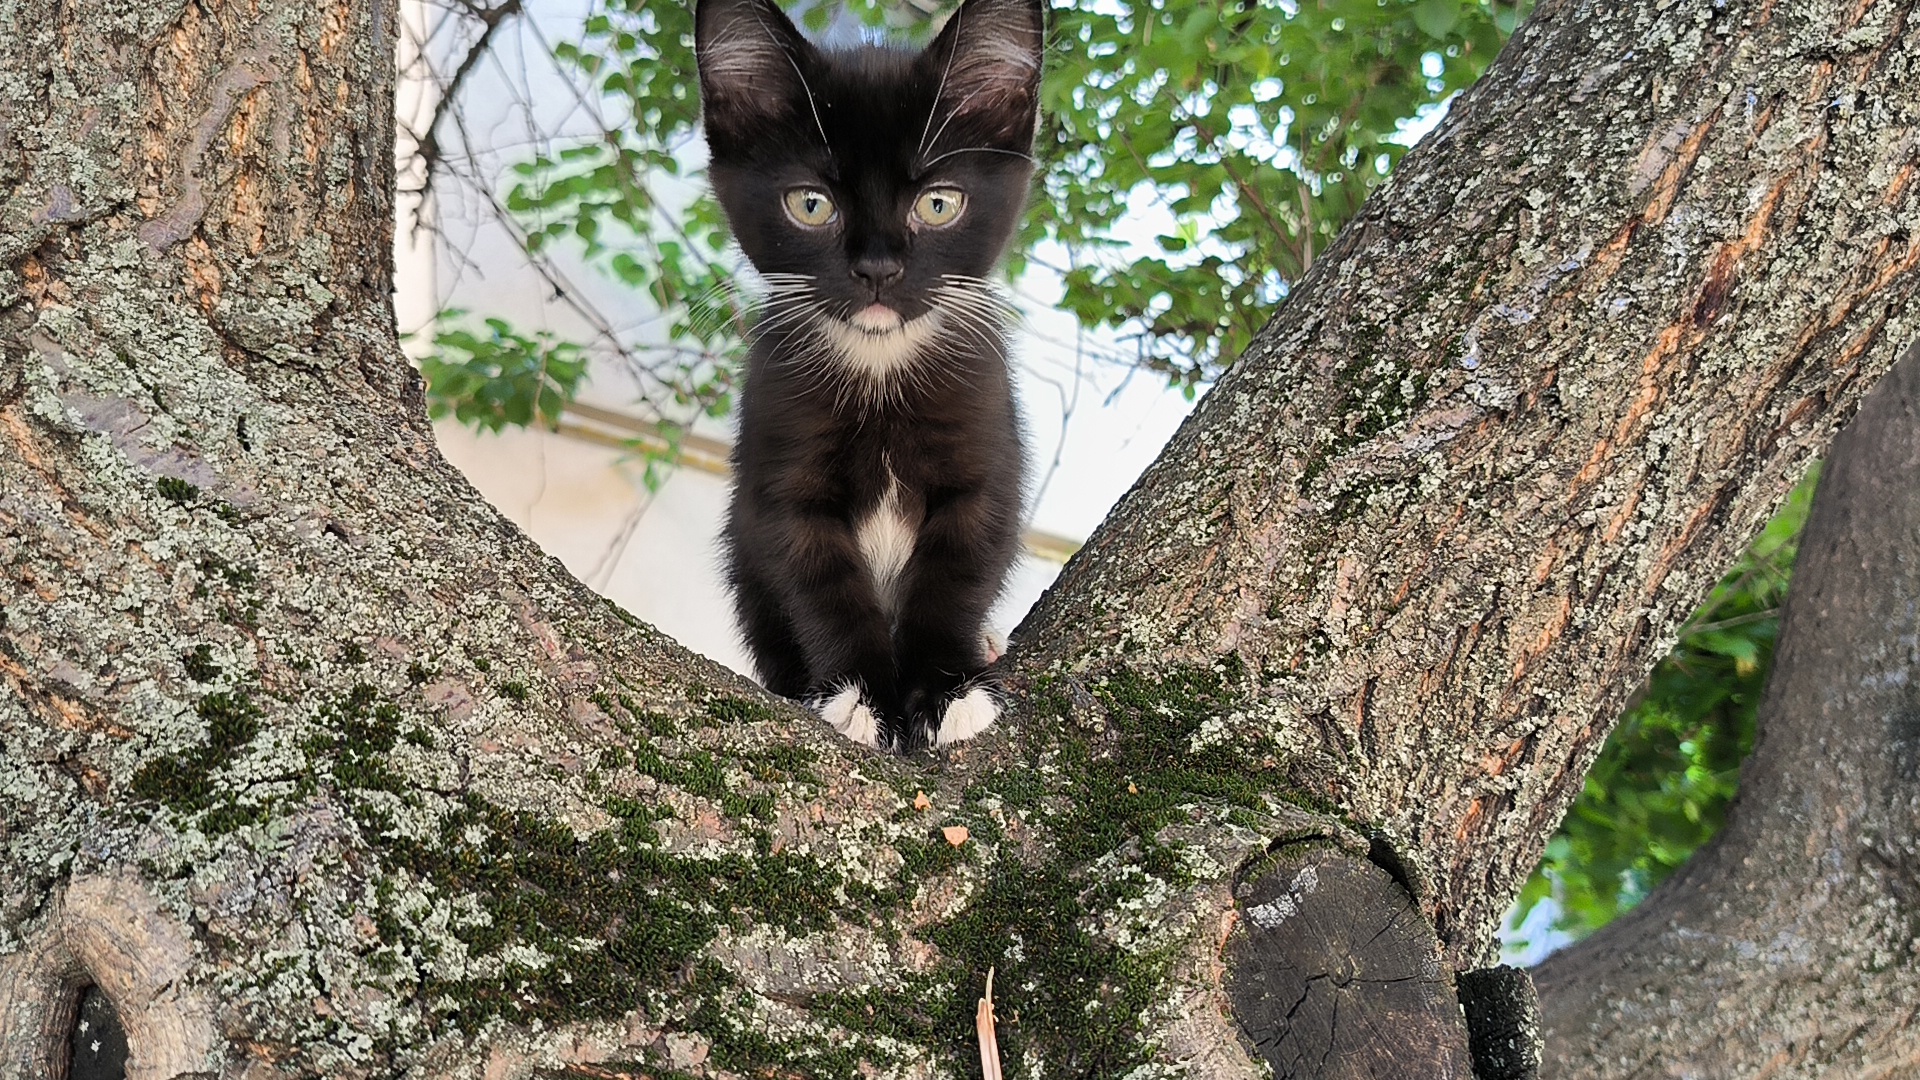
(878, 271)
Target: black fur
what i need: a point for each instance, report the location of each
(822, 438)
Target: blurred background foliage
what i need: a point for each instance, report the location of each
(1250, 131)
(1245, 134)
(495, 378)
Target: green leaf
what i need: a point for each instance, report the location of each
(1437, 18)
(502, 378)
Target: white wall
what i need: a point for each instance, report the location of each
(655, 556)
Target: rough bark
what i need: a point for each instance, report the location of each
(312, 765)
(1788, 946)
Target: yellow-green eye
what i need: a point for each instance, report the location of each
(810, 207)
(939, 206)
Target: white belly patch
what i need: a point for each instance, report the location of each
(885, 537)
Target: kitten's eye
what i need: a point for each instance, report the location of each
(810, 207)
(939, 206)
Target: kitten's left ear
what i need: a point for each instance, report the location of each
(987, 60)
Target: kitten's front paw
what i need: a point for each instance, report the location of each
(993, 644)
(850, 714)
(967, 715)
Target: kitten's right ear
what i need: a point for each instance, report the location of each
(751, 58)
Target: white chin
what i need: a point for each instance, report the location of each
(880, 352)
(877, 320)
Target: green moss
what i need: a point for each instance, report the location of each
(625, 925)
(1316, 464)
(1132, 787)
(176, 490)
(887, 1013)
(214, 569)
(355, 736)
(199, 665)
(702, 773)
(1068, 991)
(779, 764)
(748, 1048)
(926, 858)
(184, 783)
(615, 1070)
(1376, 397)
(736, 710)
(243, 616)
(351, 652)
(239, 607)
(651, 722)
(749, 807)
(515, 691)
(294, 658)
(699, 773)
(620, 917)
(1064, 990)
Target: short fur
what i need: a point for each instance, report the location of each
(879, 472)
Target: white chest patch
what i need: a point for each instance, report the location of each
(885, 537)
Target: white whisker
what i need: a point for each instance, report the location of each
(1029, 158)
(942, 87)
(812, 106)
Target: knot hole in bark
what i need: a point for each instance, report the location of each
(99, 990)
(98, 1044)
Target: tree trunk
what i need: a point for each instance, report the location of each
(313, 765)
(1787, 946)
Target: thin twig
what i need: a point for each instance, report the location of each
(427, 143)
(989, 1042)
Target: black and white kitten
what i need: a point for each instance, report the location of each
(878, 474)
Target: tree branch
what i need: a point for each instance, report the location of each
(1788, 940)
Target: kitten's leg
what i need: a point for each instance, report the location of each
(960, 559)
(851, 714)
(842, 630)
(777, 656)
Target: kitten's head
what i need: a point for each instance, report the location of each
(875, 188)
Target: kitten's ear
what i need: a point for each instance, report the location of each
(987, 60)
(751, 58)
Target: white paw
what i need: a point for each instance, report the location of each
(850, 715)
(968, 715)
(994, 645)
